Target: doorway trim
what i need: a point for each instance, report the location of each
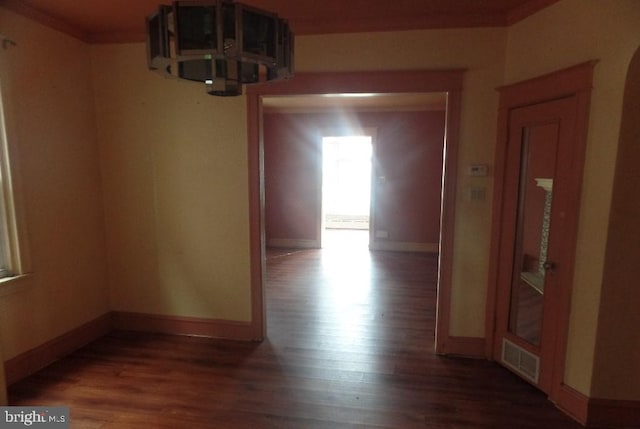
(573, 81)
(414, 81)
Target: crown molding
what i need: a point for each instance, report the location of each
(526, 10)
(49, 21)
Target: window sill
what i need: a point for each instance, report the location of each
(13, 284)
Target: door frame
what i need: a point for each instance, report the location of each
(413, 81)
(575, 82)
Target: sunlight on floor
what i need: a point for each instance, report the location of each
(346, 273)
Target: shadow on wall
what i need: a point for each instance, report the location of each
(620, 294)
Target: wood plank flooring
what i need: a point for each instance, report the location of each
(350, 345)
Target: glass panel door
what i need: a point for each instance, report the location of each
(535, 197)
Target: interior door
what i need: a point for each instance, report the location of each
(536, 258)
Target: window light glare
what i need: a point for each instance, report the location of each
(351, 95)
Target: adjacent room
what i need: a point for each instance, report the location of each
(389, 184)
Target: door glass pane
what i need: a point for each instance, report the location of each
(535, 194)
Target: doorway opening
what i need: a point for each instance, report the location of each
(387, 86)
(346, 190)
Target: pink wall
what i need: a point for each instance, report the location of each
(408, 153)
(292, 154)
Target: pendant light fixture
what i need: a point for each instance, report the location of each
(220, 43)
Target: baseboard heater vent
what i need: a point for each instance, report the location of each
(521, 361)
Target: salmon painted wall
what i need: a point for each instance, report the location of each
(292, 169)
(48, 96)
(174, 166)
(408, 153)
(567, 33)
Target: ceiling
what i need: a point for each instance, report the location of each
(108, 21)
(118, 21)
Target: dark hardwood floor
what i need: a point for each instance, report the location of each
(350, 345)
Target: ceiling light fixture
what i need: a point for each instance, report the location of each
(220, 43)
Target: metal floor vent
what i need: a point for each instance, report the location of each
(521, 361)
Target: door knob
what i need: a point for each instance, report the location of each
(549, 266)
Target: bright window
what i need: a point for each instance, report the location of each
(9, 260)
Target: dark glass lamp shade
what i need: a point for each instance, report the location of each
(220, 43)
